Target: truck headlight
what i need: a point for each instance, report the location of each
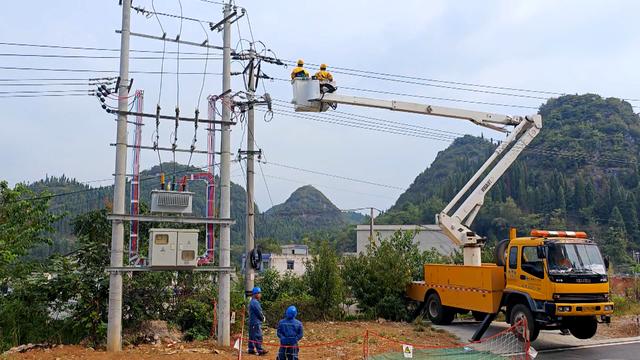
(608, 308)
(564, 308)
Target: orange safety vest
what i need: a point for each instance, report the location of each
(299, 72)
(324, 75)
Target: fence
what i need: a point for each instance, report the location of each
(511, 343)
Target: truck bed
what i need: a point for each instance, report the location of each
(477, 288)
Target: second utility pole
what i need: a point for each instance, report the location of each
(114, 324)
(224, 289)
(250, 235)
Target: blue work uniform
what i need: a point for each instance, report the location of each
(256, 317)
(289, 333)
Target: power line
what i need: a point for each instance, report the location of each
(55, 56)
(88, 48)
(355, 125)
(96, 71)
(379, 120)
(354, 72)
(334, 175)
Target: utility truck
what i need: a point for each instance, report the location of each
(553, 279)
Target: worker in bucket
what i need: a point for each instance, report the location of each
(289, 333)
(299, 72)
(256, 318)
(323, 74)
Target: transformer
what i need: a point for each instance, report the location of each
(176, 202)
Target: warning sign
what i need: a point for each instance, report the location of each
(407, 351)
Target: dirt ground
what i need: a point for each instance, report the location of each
(323, 340)
(337, 340)
(621, 326)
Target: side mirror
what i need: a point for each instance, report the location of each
(606, 262)
(542, 253)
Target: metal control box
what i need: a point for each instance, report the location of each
(173, 247)
(167, 201)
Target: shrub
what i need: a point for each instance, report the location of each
(324, 282)
(379, 277)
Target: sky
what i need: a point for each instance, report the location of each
(557, 46)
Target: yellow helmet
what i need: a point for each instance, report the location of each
(300, 62)
(323, 66)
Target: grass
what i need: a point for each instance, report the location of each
(625, 305)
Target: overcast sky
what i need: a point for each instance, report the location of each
(560, 46)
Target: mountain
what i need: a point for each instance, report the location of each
(580, 173)
(307, 210)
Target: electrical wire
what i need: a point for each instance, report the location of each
(178, 60)
(264, 179)
(164, 48)
(55, 56)
(96, 71)
(316, 172)
(87, 48)
(342, 70)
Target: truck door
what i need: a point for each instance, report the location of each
(512, 266)
(530, 274)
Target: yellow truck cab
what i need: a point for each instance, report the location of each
(553, 279)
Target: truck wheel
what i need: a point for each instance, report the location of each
(521, 311)
(478, 315)
(437, 313)
(583, 327)
(500, 252)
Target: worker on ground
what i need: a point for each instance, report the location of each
(289, 333)
(299, 72)
(256, 318)
(323, 74)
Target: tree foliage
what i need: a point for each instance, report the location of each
(587, 167)
(378, 278)
(324, 281)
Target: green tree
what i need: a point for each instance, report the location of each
(324, 282)
(378, 278)
(24, 223)
(615, 244)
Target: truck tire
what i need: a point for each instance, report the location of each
(520, 311)
(500, 252)
(437, 313)
(583, 327)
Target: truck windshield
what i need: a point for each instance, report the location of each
(575, 259)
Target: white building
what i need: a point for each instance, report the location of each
(427, 237)
(291, 260)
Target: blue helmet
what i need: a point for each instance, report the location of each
(291, 312)
(256, 290)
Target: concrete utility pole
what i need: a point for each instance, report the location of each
(371, 227)
(224, 289)
(250, 236)
(114, 326)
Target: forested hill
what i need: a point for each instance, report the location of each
(307, 210)
(581, 172)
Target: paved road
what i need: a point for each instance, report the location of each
(553, 345)
(612, 351)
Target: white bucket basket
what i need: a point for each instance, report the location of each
(305, 90)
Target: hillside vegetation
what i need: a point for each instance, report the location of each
(580, 173)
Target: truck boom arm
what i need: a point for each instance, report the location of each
(481, 118)
(458, 215)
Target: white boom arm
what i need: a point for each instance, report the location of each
(455, 225)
